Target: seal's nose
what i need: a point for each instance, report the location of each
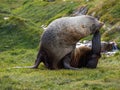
(101, 24)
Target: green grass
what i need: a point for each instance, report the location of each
(44, 12)
(19, 44)
(18, 33)
(105, 77)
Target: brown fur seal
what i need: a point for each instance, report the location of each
(60, 38)
(81, 56)
(86, 56)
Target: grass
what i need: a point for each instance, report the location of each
(19, 44)
(17, 32)
(105, 77)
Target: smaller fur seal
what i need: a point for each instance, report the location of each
(86, 56)
(83, 57)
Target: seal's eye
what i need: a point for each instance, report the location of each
(83, 26)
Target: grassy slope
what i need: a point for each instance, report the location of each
(19, 39)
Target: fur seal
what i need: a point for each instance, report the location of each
(60, 38)
(85, 56)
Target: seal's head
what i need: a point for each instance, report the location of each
(95, 25)
(92, 23)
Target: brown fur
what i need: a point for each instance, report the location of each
(80, 56)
